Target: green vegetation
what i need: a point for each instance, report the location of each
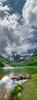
(35, 53)
(30, 89)
(1, 64)
(27, 91)
(30, 62)
(2, 73)
(16, 94)
(4, 60)
(30, 65)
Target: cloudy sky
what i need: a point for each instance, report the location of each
(18, 26)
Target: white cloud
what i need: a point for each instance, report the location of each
(13, 35)
(2, 0)
(4, 8)
(30, 12)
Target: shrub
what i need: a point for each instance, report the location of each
(16, 94)
(1, 64)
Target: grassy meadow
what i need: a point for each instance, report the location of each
(30, 89)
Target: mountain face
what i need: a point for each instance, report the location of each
(32, 60)
(27, 61)
(34, 54)
(15, 5)
(20, 57)
(3, 61)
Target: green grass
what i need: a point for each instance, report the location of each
(30, 89)
(30, 69)
(30, 62)
(2, 73)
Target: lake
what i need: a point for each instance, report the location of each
(15, 70)
(6, 80)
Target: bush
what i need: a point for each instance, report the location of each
(1, 64)
(16, 94)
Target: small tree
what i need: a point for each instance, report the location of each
(16, 94)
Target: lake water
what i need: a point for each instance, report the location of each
(15, 70)
(6, 81)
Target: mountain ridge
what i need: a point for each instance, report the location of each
(31, 61)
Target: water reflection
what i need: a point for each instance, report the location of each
(15, 70)
(10, 72)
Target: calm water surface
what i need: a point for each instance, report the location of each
(15, 70)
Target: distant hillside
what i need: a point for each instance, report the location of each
(8, 62)
(4, 61)
(32, 61)
(35, 54)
